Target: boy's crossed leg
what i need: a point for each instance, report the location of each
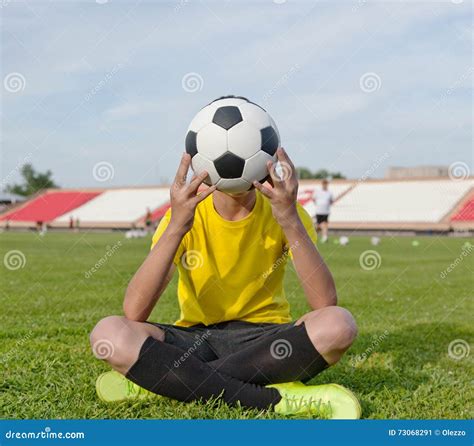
(140, 354)
(298, 353)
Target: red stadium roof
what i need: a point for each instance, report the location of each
(48, 206)
(466, 213)
(160, 212)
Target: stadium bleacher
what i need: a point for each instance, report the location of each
(48, 206)
(425, 204)
(119, 208)
(463, 216)
(466, 213)
(404, 204)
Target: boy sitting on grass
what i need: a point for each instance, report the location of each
(234, 339)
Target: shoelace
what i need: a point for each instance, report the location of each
(320, 407)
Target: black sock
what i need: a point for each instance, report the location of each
(286, 356)
(161, 368)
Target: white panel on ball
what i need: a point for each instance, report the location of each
(199, 163)
(202, 118)
(233, 185)
(256, 167)
(244, 140)
(212, 141)
(254, 114)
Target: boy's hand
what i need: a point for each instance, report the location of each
(284, 192)
(184, 197)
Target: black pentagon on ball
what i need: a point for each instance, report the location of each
(226, 117)
(190, 143)
(269, 140)
(229, 165)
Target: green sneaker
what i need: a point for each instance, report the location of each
(113, 387)
(330, 401)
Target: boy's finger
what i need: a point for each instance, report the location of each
(270, 181)
(263, 189)
(284, 158)
(196, 181)
(276, 180)
(183, 168)
(205, 193)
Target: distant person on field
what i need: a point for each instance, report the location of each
(148, 220)
(323, 199)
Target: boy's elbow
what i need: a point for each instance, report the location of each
(130, 310)
(132, 314)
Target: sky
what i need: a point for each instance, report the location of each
(102, 92)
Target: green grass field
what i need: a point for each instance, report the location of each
(399, 366)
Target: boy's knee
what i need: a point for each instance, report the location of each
(110, 341)
(118, 340)
(332, 332)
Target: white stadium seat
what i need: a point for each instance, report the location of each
(400, 201)
(119, 205)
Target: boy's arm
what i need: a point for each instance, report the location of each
(156, 271)
(315, 277)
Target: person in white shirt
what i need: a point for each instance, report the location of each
(323, 200)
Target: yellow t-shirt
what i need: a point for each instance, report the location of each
(233, 270)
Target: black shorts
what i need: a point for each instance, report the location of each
(219, 340)
(322, 218)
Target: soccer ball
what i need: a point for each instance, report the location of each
(375, 241)
(232, 139)
(343, 240)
